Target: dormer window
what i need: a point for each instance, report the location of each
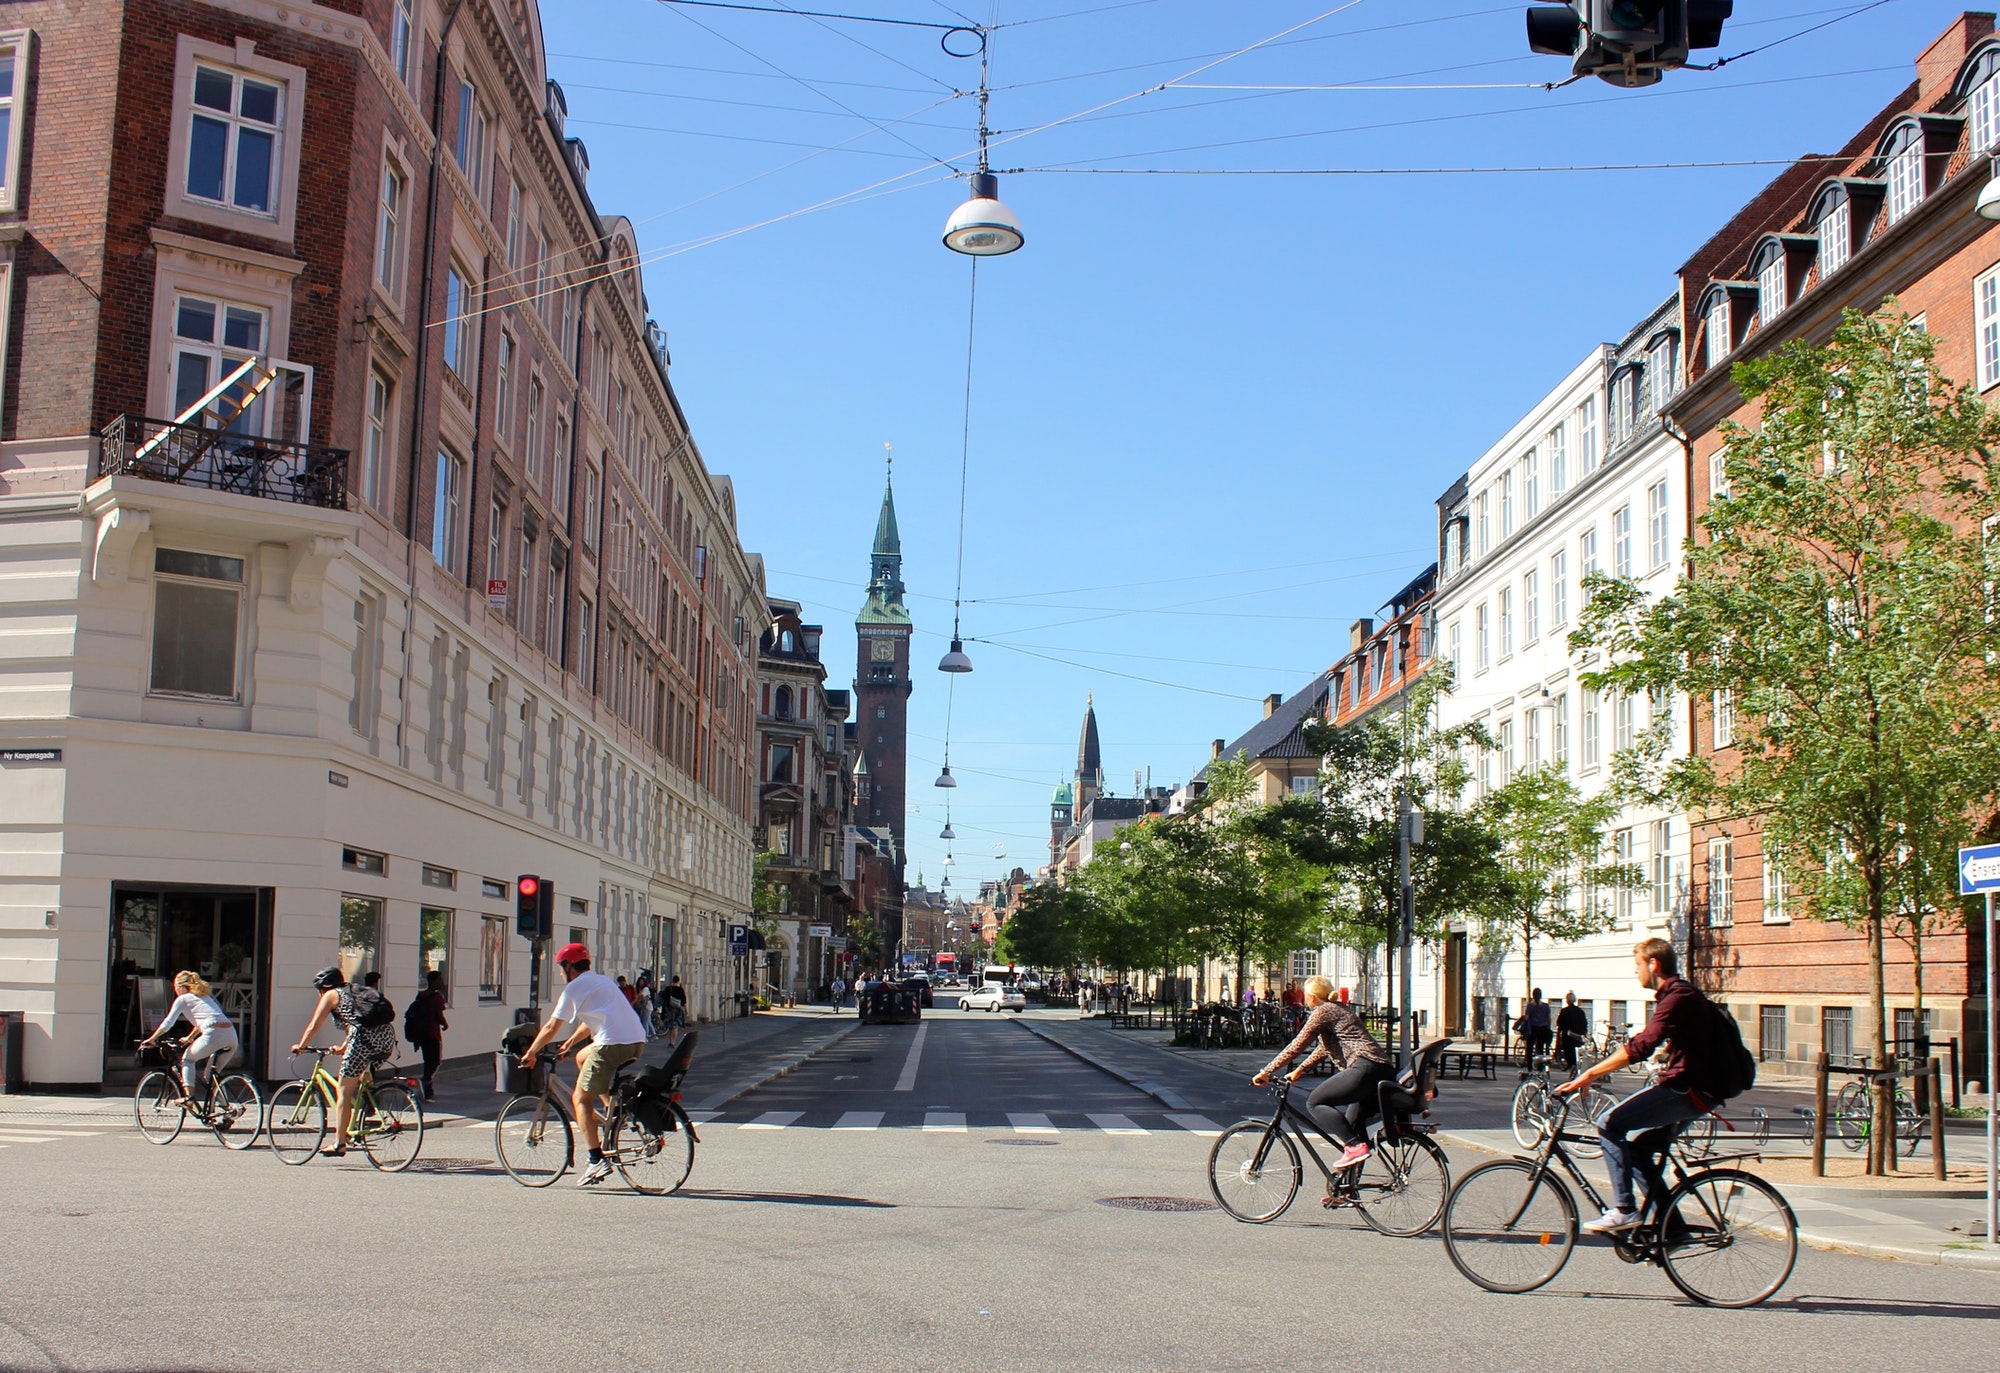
(1768, 267)
(1662, 364)
(1715, 325)
(1903, 158)
(1982, 98)
(1832, 218)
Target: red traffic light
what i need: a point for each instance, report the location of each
(528, 886)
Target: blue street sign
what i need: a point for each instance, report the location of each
(1979, 869)
(739, 940)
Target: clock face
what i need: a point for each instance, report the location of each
(883, 651)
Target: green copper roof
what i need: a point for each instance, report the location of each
(1063, 796)
(884, 605)
(887, 540)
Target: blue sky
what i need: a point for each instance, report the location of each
(1210, 413)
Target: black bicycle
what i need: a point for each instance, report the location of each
(1254, 1169)
(647, 1134)
(1723, 1236)
(230, 1104)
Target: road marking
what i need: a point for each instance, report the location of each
(908, 1081)
(1117, 1125)
(704, 1117)
(773, 1120)
(47, 1131)
(949, 1122)
(1030, 1123)
(859, 1120)
(1194, 1125)
(29, 1139)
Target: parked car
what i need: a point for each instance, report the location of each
(994, 996)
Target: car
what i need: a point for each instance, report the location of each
(994, 996)
(920, 987)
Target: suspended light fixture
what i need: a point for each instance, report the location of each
(945, 779)
(949, 861)
(947, 832)
(983, 226)
(955, 661)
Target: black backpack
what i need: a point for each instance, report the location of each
(1731, 1067)
(380, 1014)
(418, 1023)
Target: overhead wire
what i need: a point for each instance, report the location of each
(729, 71)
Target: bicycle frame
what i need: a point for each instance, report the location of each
(327, 1087)
(1655, 1176)
(1286, 1113)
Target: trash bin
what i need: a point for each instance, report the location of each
(13, 1052)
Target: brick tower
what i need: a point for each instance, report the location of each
(882, 683)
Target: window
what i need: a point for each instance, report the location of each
(492, 958)
(1531, 607)
(1531, 485)
(1715, 324)
(1506, 504)
(524, 590)
(1661, 366)
(1455, 652)
(1986, 306)
(531, 442)
(434, 947)
(212, 338)
(233, 140)
(1836, 1033)
(1305, 786)
(361, 860)
(13, 74)
(1656, 523)
(1586, 558)
(389, 229)
(1983, 103)
(1556, 444)
(1558, 589)
(496, 537)
(586, 658)
(1721, 884)
(1621, 541)
(1770, 271)
(554, 604)
(1774, 892)
(1586, 435)
(1718, 475)
(458, 329)
(1623, 713)
(591, 481)
(503, 391)
(1831, 228)
(1771, 1034)
(1621, 854)
(781, 763)
(364, 703)
(1531, 731)
(1479, 642)
(447, 522)
(1904, 156)
(1559, 731)
(360, 936)
(1481, 520)
(1505, 737)
(197, 602)
(1592, 755)
(1305, 963)
(375, 443)
(474, 126)
(1722, 711)
(1661, 833)
(516, 231)
(1506, 600)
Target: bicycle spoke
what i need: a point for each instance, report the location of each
(1252, 1173)
(1403, 1186)
(156, 1105)
(389, 1125)
(532, 1140)
(296, 1123)
(1508, 1230)
(236, 1113)
(1728, 1238)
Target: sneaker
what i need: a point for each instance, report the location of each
(429, 1095)
(1611, 1221)
(1356, 1153)
(596, 1173)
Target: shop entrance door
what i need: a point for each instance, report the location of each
(223, 933)
(1454, 985)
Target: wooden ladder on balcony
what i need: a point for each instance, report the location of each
(257, 373)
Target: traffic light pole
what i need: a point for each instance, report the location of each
(535, 976)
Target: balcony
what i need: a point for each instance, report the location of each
(224, 460)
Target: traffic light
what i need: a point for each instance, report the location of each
(534, 907)
(1627, 42)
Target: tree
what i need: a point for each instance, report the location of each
(1839, 599)
(1047, 929)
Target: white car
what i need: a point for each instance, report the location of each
(994, 996)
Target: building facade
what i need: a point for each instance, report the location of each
(372, 560)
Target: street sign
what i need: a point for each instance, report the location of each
(838, 945)
(1978, 869)
(739, 940)
(819, 931)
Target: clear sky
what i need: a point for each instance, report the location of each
(1210, 413)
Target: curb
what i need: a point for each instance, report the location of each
(729, 1093)
(1171, 1100)
(1944, 1256)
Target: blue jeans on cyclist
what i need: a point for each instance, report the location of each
(1636, 1132)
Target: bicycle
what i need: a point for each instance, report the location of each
(1399, 1189)
(388, 1119)
(161, 1106)
(535, 1139)
(1853, 1115)
(1535, 1102)
(1724, 1237)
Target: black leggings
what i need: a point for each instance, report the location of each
(1344, 1102)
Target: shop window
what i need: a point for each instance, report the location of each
(492, 958)
(197, 606)
(360, 936)
(434, 948)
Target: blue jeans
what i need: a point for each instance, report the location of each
(1638, 1128)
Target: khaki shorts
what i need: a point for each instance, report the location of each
(601, 1062)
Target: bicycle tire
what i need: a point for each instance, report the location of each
(1409, 1178)
(1594, 1104)
(1505, 1230)
(1729, 1238)
(673, 1160)
(235, 1111)
(1530, 1113)
(392, 1132)
(533, 1140)
(1240, 1167)
(295, 1125)
(1853, 1113)
(637, 1153)
(1910, 1126)
(157, 1108)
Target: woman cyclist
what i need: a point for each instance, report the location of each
(367, 1046)
(1360, 1062)
(212, 1037)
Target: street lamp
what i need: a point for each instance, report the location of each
(945, 779)
(983, 226)
(956, 660)
(1988, 205)
(947, 832)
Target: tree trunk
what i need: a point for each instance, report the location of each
(1881, 1140)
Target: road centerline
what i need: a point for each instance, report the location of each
(907, 1082)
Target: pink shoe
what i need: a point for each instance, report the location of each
(1356, 1153)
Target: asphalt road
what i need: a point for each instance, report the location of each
(964, 1228)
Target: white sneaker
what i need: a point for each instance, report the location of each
(596, 1173)
(1610, 1221)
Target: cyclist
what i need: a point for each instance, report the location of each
(1343, 1101)
(1637, 1129)
(597, 1007)
(367, 1046)
(212, 1036)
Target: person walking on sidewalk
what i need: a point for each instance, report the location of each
(424, 1026)
(643, 1001)
(597, 1008)
(1341, 1103)
(676, 998)
(1572, 1029)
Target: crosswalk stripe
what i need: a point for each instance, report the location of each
(704, 1117)
(773, 1120)
(30, 1139)
(1116, 1124)
(1195, 1125)
(49, 1131)
(858, 1120)
(944, 1121)
(1030, 1123)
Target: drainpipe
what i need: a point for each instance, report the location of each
(1680, 435)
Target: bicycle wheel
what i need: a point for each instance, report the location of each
(1531, 1113)
(1592, 1104)
(1403, 1185)
(296, 1123)
(1505, 1229)
(666, 1160)
(1851, 1113)
(157, 1107)
(1729, 1238)
(640, 1155)
(1910, 1127)
(235, 1111)
(1253, 1171)
(390, 1127)
(533, 1141)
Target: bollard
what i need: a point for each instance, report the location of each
(1938, 1169)
(1819, 1116)
(1957, 1076)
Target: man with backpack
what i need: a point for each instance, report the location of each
(1706, 1065)
(424, 1026)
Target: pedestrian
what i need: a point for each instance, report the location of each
(677, 1008)
(1082, 1000)
(1539, 1016)
(424, 1026)
(839, 992)
(1572, 1029)
(642, 1002)
(627, 990)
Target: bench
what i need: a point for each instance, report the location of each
(1471, 1056)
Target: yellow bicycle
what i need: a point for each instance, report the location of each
(388, 1121)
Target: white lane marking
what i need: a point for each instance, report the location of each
(859, 1120)
(773, 1120)
(949, 1122)
(1194, 1125)
(704, 1117)
(1030, 1123)
(1116, 1124)
(30, 1139)
(49, 1131)
(908, 1081)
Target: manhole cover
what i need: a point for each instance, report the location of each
(1157, 1203)
(1026, 1143)
(453, 1165)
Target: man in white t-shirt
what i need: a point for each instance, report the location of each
(597, 1008)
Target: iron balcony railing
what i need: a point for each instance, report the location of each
(224, 460)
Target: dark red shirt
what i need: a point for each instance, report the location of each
(1681, 1020)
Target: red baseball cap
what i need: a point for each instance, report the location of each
(572, 953)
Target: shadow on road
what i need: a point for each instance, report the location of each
(783, 1198)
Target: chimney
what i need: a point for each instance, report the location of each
(1271, 704)
(1215, 750)
(1938, 67)
(1358, 635)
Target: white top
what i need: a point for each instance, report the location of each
(595, 1000)
(205, 1013)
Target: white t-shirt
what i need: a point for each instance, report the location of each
(203, 1012)
(595, 1000)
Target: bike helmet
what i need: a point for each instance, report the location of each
(572, 953)
(326, 979)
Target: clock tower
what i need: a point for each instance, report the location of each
(882, 684)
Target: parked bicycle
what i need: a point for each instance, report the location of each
(1535, 1104)
(1852, 1115)
(388, 1120)
(1725, 1237)
(1254, 1169)
(230, 1106)
(648, 1136)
